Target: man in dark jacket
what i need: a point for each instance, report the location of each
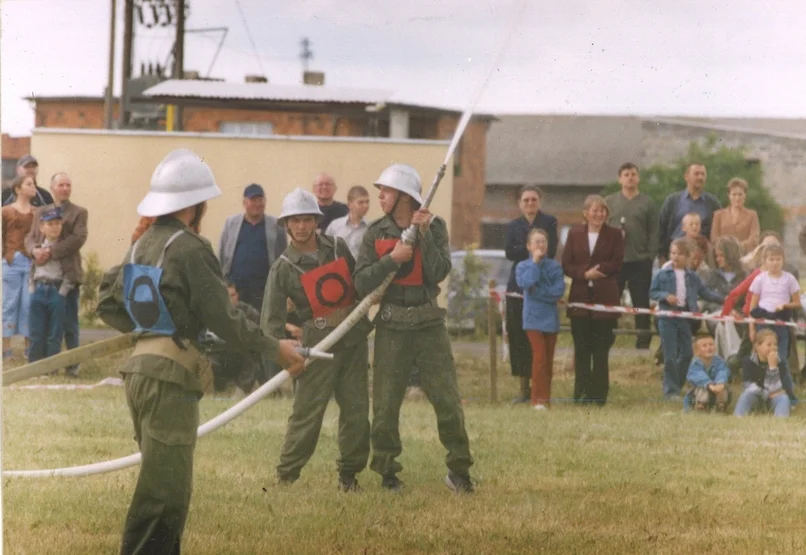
(324, 187)
(677, 205)
(520, 352)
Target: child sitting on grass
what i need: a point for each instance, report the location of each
(709, 375)
(762, 378)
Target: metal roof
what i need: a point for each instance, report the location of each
(189, 88)
(560, 149)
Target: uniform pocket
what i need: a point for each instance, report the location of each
(172, 415)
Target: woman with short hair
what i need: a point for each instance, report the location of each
(592, 258)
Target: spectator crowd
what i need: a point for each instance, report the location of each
(688, 255)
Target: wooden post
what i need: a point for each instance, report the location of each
(492, 326)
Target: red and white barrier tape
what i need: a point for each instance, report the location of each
(666, 313)
(684, 314)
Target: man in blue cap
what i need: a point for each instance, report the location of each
(250, 243)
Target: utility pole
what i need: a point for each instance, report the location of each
(179, 57)
(110, 80)
(306, 54)
(128, 38)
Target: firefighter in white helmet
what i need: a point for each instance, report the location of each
(410, 327)
(315, 272)
(168, 289)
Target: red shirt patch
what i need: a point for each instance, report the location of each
(329, 287)
(410, 273)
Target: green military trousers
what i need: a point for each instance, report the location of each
(165, 417)
(346, 376)
(396, 353)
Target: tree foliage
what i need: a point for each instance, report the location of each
(722, 164)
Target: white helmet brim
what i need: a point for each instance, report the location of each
(281, 220)
(161, 203)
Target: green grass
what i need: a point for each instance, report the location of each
(634, 477)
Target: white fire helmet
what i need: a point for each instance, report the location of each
(181, 180)
(403, 178)
(299, 202)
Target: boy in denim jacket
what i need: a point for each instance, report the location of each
(709, 375)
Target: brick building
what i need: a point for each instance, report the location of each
(268, 109)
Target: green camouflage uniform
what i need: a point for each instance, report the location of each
(345, 376)
(162, 395)
(411, 331)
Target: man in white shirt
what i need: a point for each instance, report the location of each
(352, 227)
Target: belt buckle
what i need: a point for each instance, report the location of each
(386, 314)
(320, 323)
(410, 314)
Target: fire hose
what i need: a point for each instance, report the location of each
(408, 236)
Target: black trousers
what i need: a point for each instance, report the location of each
(520, 351)
(592, 342)
(637, 277)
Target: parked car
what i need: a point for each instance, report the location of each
(467, 310)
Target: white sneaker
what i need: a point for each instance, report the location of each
(540, 407)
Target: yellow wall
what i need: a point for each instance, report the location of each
(111, 173)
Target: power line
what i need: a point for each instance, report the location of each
(249, 35)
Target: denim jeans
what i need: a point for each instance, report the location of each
(675, 334)
(16, 297)
(752, 398)
(47, 322)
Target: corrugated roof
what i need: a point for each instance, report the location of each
(560, 149)
(189, 88)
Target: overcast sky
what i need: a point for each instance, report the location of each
(665, 57)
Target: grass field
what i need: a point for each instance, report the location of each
(636, 476)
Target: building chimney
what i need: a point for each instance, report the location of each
(190, 74)
(255, 79)
(313, 78)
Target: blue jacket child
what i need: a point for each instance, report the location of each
(675, 333)
(543, 286)
(701, 377)
(665, 284)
